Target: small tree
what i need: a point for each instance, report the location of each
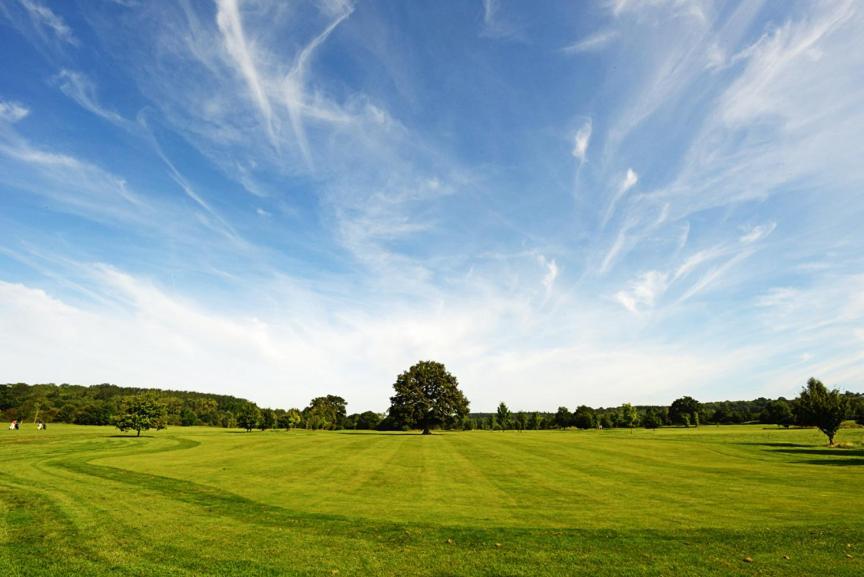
(426, 395)
(504, 416)
(248, 417)
(563, 418)
(293, 418)
(141, 413)
(583, 417)
(821, 408)
(685, 406)
(628, 416)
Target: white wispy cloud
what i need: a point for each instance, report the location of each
(495, 25)
(592, 43)
(581, 140)
(97, 193)
(696, 9)
(629, 181)
(234, 38)
(615, 250)
(12, 111)
(698, 258)
(80, 187)
(45, 18)
(82, 90)
(551, 272)
(774, 61)
(758, 232)
(767, 126)
(643, 292)
(713, 276)
(213, 219)
(294, 88)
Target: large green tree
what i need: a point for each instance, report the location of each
(684, 411)
(818, 407)
(325, 412)
(140, 413)
(427, 395)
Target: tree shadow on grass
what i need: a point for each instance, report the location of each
(838, 457)
(385, 433)
(778, 444)
(827, 451)
(854, 462)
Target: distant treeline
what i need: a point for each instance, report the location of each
(683, 412)
(100, 404)
(97, 404)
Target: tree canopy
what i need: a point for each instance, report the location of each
(141, 413)
(563, 417)
(583, 417)
(504, 416)
(778, 412)
(427, 395)
(628, 416)
(684, 411)
(818, 407)
(248, 417)
(326, 412)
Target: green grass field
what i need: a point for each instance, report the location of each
(197, 501)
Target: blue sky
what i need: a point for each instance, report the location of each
(565, 203)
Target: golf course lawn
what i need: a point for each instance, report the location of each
(732, 500)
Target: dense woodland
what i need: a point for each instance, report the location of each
(100, 404)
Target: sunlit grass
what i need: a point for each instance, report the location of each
(83, 501)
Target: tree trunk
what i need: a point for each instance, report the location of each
(426, 430)
(139, 433)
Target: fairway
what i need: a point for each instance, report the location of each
(206, 501)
